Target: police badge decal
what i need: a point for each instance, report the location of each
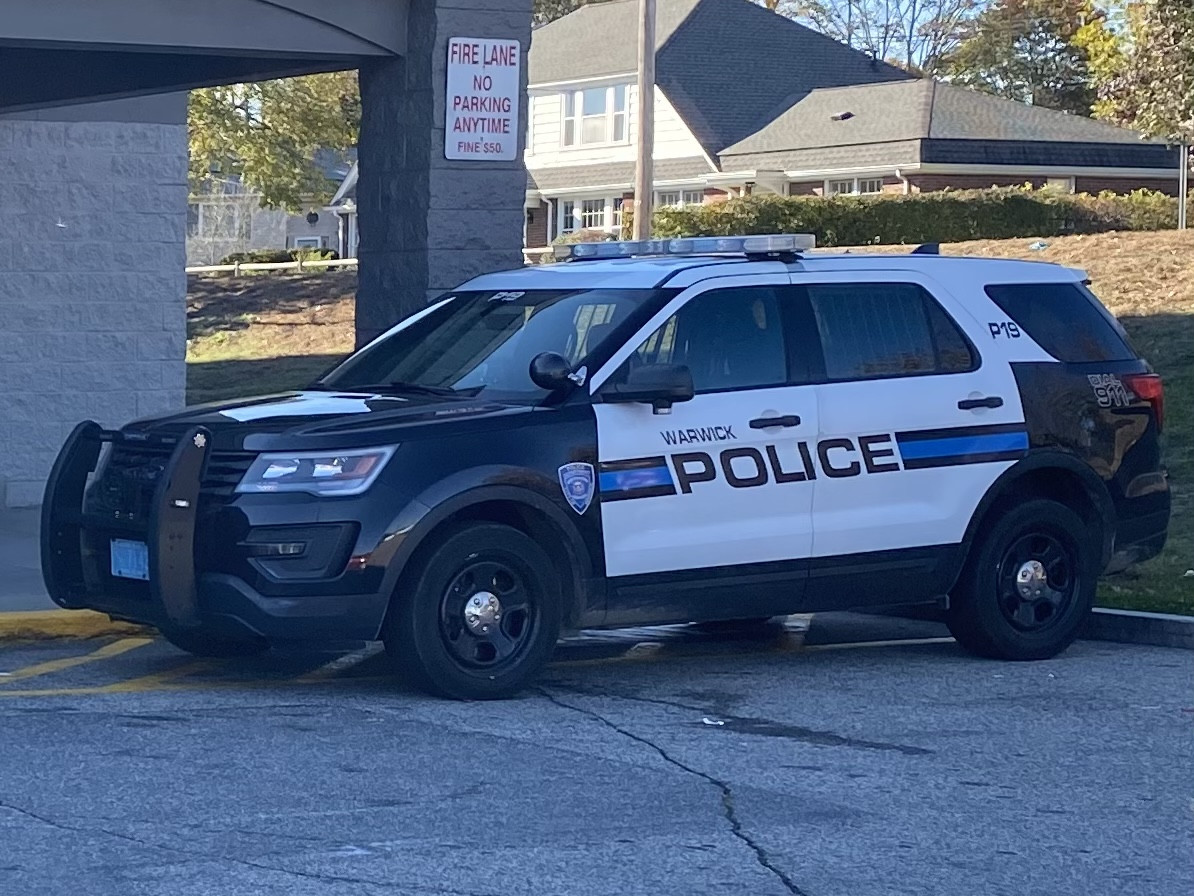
(577, 482)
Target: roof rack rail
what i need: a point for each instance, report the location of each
(779, 244)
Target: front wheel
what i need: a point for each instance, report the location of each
(1028, 586)
(481, 617)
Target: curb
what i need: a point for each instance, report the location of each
(1134, 627)
(43, 625)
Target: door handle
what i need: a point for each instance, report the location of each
(768, 422)
(969, 404)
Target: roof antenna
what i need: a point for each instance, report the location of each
(928, 249)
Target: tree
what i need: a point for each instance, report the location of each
(1150, 84)
(268, 135)
(550, 10)
(1029, 50)
(914, 34)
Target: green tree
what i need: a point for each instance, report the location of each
(1030, 51)
(914, 34)
(1150, 84)
(269, 133)
(550, 10)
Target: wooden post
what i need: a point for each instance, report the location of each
(644, 175)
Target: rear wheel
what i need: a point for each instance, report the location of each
(480, 617)
(1028, 586)
(202, 642)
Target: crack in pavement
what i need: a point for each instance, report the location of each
(729, 810)
(767, 727)
(259, 866)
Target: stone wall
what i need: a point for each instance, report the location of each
(92, 289)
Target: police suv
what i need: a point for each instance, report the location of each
(674, 431)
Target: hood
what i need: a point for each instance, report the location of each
(319, 419)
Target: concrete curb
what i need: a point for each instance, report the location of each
(43, 625)
(1134, 627)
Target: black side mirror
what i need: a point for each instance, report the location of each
(551, 371)
(659, 385)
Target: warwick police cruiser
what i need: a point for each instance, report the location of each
(691, 430)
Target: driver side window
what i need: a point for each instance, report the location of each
(729, 338)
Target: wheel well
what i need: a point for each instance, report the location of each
(1056, 484)
(530, 522)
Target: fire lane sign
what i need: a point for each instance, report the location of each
(484, 84)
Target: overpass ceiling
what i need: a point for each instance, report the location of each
(57, 52)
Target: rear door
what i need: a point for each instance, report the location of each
(914, 429)
(713, 497)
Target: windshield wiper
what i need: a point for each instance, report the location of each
(402, 386)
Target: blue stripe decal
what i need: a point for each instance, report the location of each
(962, 445)
(625, 480)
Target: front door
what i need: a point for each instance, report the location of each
(714, 498)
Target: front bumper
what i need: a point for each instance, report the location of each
(209, 563)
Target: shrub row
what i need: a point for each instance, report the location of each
(946, 217)
(280, 256)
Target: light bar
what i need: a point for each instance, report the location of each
(700, 245)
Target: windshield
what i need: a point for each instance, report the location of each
(476, 343)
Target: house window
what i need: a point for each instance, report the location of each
(1064, 184)
(308, 242)
(567, 217)
(596, 115)
(592, 214)
(193, 219)
(859, 186)
(677, 198)
(616, 223)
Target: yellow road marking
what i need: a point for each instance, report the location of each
(158, 681)
(116, 648)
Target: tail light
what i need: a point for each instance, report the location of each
(1148, 386)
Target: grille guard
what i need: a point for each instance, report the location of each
(171, 524)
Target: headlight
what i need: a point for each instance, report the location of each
(323, 473)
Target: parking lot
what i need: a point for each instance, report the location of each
(849, 755)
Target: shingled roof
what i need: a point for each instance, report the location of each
(727, 66)
(942, 119)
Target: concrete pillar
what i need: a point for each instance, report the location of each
(427, 223)
(92, 290)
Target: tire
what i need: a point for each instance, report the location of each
(1028, 586)
(201, 642)
(479, 617)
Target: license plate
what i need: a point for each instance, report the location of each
(130, 559)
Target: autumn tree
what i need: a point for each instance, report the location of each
(1029, 50)
(268, 134)
(914, 34)
(1148, 83)
(550, 10)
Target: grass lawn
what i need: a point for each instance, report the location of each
(266, 333)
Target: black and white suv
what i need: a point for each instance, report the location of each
(689, 430)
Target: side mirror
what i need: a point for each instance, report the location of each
(551, 371)
(659, 385)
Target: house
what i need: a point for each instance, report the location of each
(748, 101)
(224, 218)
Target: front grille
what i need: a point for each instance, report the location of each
(127, 482)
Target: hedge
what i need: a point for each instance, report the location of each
(945, 217)
(280, 256)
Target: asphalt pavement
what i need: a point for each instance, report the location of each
(825, 761)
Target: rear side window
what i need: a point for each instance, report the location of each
(1064, 319)
(871, 330)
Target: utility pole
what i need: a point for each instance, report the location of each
(1183, 186)
(644, 174)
